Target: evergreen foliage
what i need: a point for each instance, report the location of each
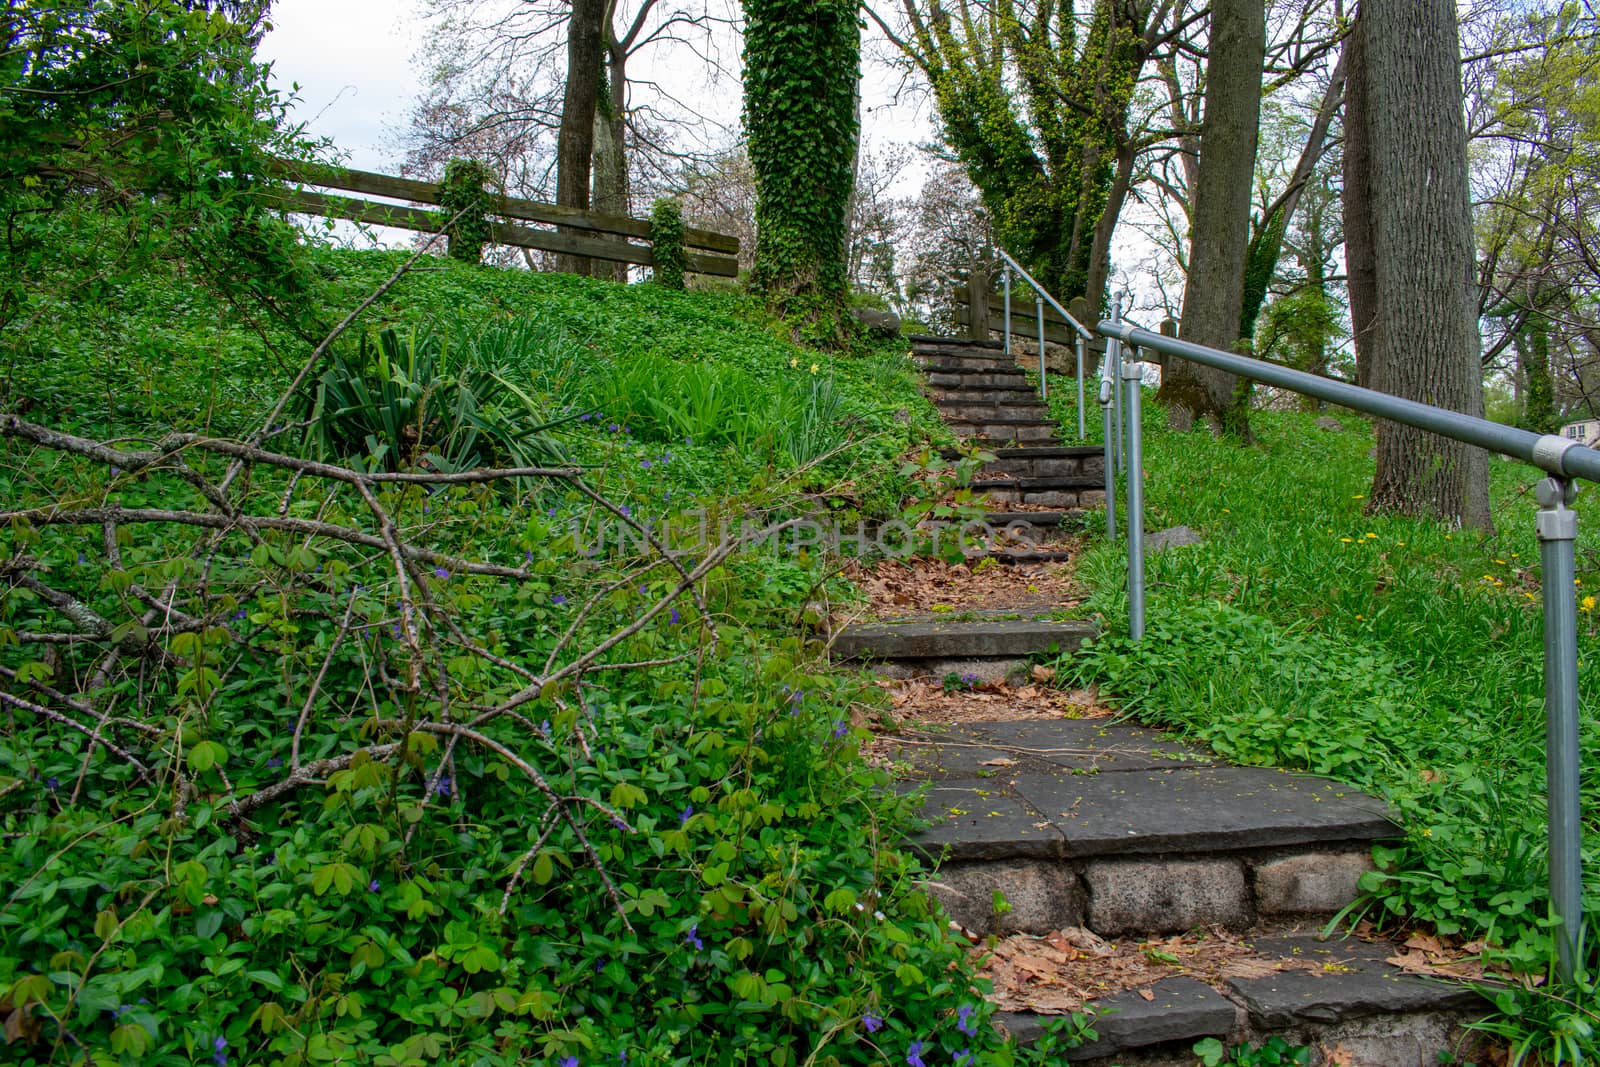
(464, 199)
(666, 242)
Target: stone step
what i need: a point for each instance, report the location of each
(964, 362)
(983, 411)
(936, 641)
(1009, 394)
(1046, 463)
(1125, 830)
(1089, 494)
(1006, 431)
(930, 341)
(961, 378)
(1336, 994)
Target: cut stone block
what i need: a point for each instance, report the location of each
(1350, 981)
(1085, 745)
(1165, 896)
(956, 640)
(978, 820)
(1182, 1010)
(1041, 896)
(1204, 809)
(1315, 883)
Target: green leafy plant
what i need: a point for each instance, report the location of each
(1273, 1052)
(407, 400)
(1556, 1022)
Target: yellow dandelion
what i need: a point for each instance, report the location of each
(1372, 537)
(1358, 496)
(1427, 831)
(1402, 544)
(794, 362)
(1501, 562)
(1226, 511)
(1346, 540)
(814, 368)
(1586, 604)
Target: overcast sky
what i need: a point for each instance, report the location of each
(353, 62)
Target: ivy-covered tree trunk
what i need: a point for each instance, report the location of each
(802, 66)
(1220, 235)
(610, 195)
(1034, 101)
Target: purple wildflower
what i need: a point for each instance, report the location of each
(619, 824)
(273, 763)
(372, 886)
(558, 600)
(441, 573)
(839, 728)
(964, 1021)
(219, 1051)
(693, 937)
(645, 463)
(962, 1058)
(81, 559)
(568, 1061)
(872, 1023)
(674, 617)
(613, 427)
(684, 815)
(442, 786)
(52, 783)
(626, 510)
(914, 1055)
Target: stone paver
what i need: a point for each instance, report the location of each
(1353, 981)
(957, 640)
(1201, 809)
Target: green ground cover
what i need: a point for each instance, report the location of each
(726, 889)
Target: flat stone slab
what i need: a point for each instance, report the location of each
(1201, 809)
(978, 819)
(959, 640)
(1086, 745)
(1351, 982)
(1183, 1010)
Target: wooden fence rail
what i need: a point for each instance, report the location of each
(610, 237)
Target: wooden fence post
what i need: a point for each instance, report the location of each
(978, 298)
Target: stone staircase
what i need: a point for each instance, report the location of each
(1050, 827)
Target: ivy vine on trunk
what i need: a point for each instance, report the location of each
(802, 68)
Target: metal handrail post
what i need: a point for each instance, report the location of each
(1108, 449)
(1132, 374)
(1081, 433)
(1007, 334)
(1044, 389)
(1116, 384)
(1558, 530)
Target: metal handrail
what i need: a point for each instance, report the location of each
(1041, 297)
(1557, 525)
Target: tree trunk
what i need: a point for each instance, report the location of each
(1106, 226)
(610, 154)
(1423, 341)
(575, 142)
(1220, 236)
(1358, 238)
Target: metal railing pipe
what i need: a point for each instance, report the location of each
(1079, 346)
(1550, 453)
(1108, 448)
(1120, 448)
(1557, 526)
(1083, 331)
(1133, 374)
(1558, 530)
(1006, 334)
(1044, 387)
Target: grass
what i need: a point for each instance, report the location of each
(1396, 654)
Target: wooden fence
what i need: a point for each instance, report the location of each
(581, 233)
